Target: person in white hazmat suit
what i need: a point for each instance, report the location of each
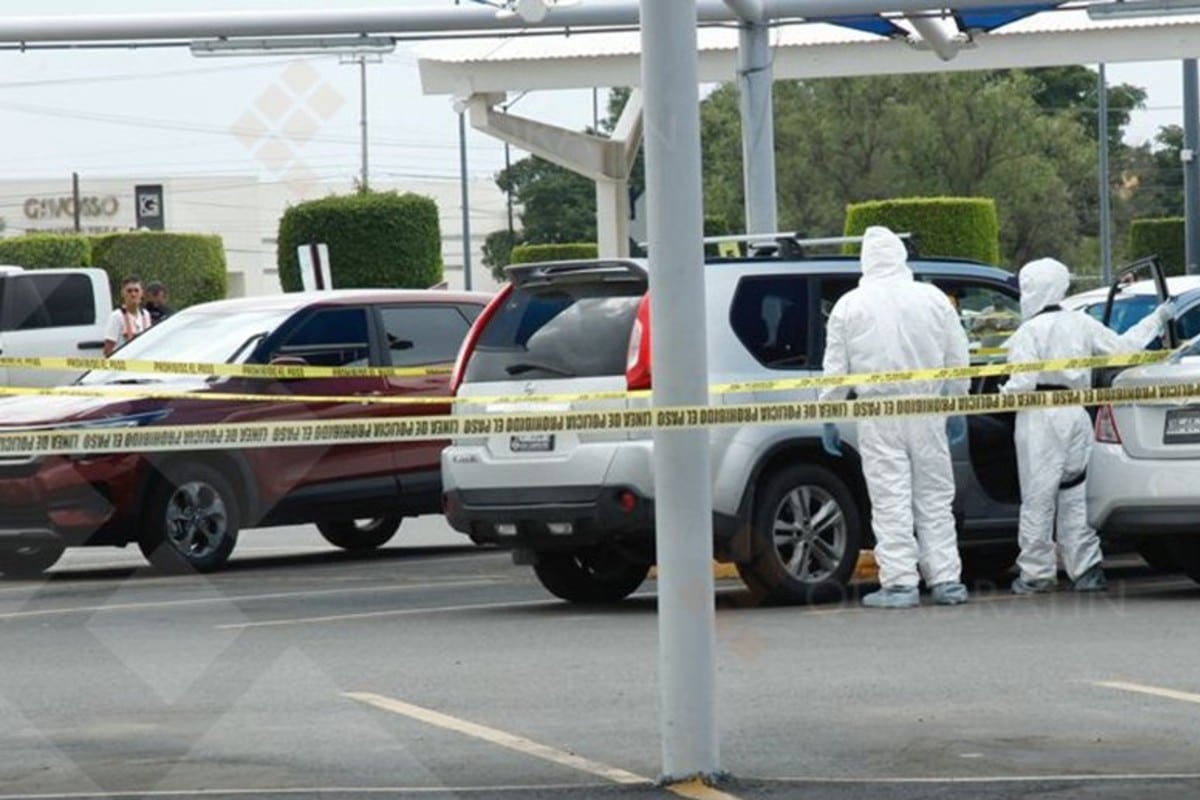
(892, 322)
(1053, 445)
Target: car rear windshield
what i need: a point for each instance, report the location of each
(573, 331)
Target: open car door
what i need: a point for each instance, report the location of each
(1148, 268)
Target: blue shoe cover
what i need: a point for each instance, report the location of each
(1091, 580)
(1034, 585)
(950, 593)
(893, 597)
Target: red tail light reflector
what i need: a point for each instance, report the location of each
(637, 360)
(468, 345)
(1106, 426)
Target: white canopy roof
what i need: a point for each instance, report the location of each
(806, 50)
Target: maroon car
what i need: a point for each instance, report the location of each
(184, 508)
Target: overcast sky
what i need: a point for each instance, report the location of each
(150, 113)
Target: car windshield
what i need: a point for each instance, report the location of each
(194, 335)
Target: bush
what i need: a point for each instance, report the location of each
(192, 265)
(567, 251)
(44, 250)
(1162, 237)
(958, 227)
(375, 239)
(497, 250)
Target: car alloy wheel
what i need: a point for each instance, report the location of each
(807, 536)
(191, 520)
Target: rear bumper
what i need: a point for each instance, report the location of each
(1142, 497)
(561, 518)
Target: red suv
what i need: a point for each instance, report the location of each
(184, 508)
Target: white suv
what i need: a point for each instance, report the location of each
(579, 506)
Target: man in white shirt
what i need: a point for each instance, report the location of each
(129, 320)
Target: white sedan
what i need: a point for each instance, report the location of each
(1144, 475)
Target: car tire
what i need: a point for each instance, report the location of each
(191, 519)
(594, 575)
(1185, 554)
(29, 560)
(360, 534)
(1156, 552)
(788, 545)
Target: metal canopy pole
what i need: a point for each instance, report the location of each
(1191, 168)
(191, 25)
(755, 78)
(683, 524)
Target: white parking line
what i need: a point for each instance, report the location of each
(1170, 694)
(237, 598)
(501, 738)
(391, 612)
(693, 789)
(977, 779)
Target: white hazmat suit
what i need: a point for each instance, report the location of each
(892, 322)
(1054, 445)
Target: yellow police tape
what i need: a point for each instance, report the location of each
(224, 370)
(92, 440)
(772, 385)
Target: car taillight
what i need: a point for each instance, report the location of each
(468, 344)
(637, 359)
(1106, 426)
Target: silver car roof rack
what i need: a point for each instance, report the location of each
(790, 244)
(793, 244)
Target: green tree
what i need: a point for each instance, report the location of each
(497, 251)
(557, 205)
(1151, 176)
(1074, 90)
(978, 134)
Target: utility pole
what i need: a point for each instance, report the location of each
(75, 200)
(1105, 184)
(362, 59)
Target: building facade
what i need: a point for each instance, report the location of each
(243, 210)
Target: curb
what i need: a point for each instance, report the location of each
(865, 570)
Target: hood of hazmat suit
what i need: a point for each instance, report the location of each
(1044, 282)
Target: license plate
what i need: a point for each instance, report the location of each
(1183, 426)
(532, 443)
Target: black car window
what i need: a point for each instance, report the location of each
(1188, 323)
(568, 330)
(989, 313)
(47, 301)
(331, 337)
(769, 316)
(831, 290)
(418, 335)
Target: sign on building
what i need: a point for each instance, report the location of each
(314, 267)
(149, 202)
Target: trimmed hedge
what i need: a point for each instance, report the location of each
(567, 251)
(375, 239)
(959, 227)
(192, 265)
(1163, 237)
(46, 250)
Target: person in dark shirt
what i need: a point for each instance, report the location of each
(155, 302)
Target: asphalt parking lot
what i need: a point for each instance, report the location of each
(435, 669)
